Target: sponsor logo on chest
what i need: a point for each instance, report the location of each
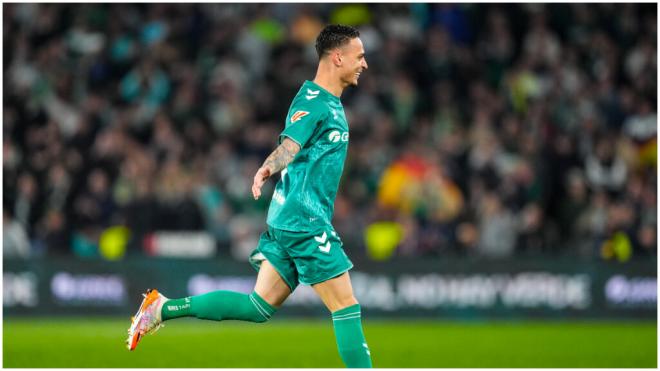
(336, 136)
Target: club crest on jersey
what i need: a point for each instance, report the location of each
(298, 115)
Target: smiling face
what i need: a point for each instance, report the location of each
(351, 62)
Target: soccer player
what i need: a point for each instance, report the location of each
(300, 244)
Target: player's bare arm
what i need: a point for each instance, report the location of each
(278, 160)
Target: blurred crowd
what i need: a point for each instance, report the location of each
(478, 130)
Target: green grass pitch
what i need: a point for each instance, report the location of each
(99, 342)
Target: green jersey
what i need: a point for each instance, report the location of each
(304, 197)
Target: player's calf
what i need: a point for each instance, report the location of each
(219, 306)
(351, 343)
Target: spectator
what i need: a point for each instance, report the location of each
(15, 243)
(605, 169)
(498, 228)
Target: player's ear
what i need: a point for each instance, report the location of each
(336, 57)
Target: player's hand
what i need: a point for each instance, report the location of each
(259, 179)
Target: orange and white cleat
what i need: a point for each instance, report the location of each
(147, 319)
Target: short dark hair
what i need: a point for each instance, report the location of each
(334, 35)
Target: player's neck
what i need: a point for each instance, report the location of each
(334, 88)
(328, 81)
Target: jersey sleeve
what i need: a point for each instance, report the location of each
(302, 122)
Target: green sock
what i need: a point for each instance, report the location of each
(220, 306)
(352, 346)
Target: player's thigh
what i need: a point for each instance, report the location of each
(270, 285)
(336, 293)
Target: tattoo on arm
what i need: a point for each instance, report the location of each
(282, 156)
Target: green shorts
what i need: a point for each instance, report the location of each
(302, 257)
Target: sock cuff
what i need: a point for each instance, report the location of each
(261, 305)
(353, 311)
